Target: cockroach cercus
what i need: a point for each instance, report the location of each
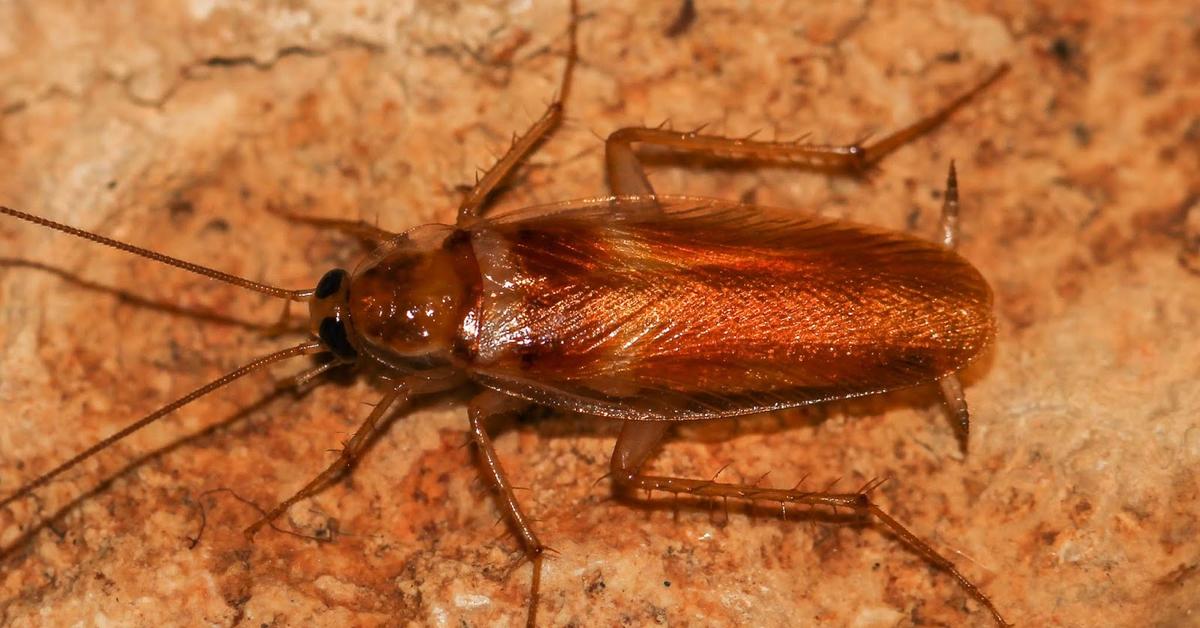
(641, 308)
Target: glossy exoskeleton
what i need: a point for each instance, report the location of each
(643, 308)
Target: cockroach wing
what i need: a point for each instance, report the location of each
(681, 308)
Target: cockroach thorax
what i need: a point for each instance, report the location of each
(408, 298)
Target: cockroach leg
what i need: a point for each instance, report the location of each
(627, 178)
(473, 205)
(483, 407)
(878, 150)
(952, 391)
(639, 438)
(367, 233)
(307, 348)
(400, 391)
(635, 444)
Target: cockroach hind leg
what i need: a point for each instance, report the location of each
(626, 176)
(639, 438)
(872, 153)
(858, 501)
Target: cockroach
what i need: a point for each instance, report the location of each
(637, 307)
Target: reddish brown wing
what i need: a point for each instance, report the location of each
(707, 308)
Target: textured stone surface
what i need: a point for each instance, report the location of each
(177, 125)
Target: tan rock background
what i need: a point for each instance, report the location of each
(178, 124)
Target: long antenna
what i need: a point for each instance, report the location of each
(290, 295)
(309, 347)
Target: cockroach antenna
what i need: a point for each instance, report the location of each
(306, 348)
(289, 295)
(45, 478)
(645, 308)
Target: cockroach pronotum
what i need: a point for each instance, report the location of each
(637, 307)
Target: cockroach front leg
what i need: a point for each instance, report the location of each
(364, 231)
(638, 440)
(952, 391)
(627, 178)
(345, 460)
(483, 407)
(473, 205)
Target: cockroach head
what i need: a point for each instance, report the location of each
(329, 313)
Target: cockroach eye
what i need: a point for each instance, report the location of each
(333, 335)
(330, 283)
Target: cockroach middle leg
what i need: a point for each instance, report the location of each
(476, 200)
(952, 390)
(639, 438)
(345, 459)
(626, 176)
(488, 403)
(483, 407)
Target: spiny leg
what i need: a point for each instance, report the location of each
(473, 205)
(627, 178)
(345, 460)
(484, 406)
(952, 391)
(639, 438)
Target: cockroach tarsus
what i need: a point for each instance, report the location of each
(644, 308)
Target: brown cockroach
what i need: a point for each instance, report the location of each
(638, 307)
